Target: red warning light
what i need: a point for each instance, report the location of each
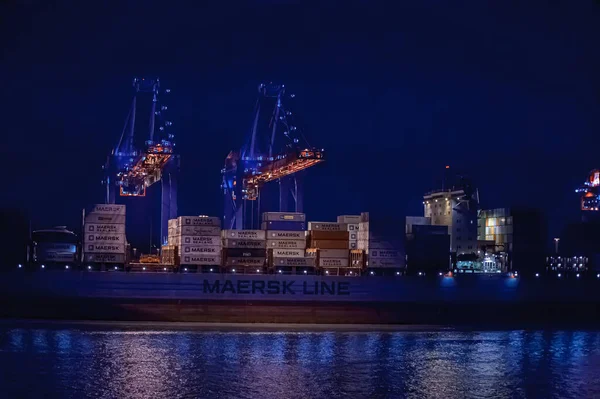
(447, 166)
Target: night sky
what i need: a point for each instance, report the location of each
(507, 92)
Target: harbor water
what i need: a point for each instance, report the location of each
(73, 360)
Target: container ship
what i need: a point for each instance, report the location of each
(290, 271)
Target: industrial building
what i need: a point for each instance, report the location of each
(456, 208)
(518, 237)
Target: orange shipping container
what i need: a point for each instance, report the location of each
(329, 235)
(329, 244)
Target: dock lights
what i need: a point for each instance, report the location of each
(305, 272)
(397, 273)
(89, 267)
(598, 275)
(43, 267)
(326, 271)
(537, 274)
(233, 270)
(20, 265)
(441, 274)
(279, 270)
(144, 268)
(577, 275)
(211, 270)
(164, 268)
(516, 273)
(185, 269)
(559, 274)
(67, 267)
(116, 267)
(372, 273)
(420, 274)
(257, 270)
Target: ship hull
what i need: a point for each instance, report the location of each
(299, 299)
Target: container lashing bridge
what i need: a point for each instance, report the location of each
(130, 169)
(275, 150)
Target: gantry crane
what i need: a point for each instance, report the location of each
(133, 167)
(275, 150)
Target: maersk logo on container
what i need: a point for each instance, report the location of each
(288, 253)
(295, 235)
(384, 254)
(105, 228)
(109, 238)
(202, 250)
(326, 226)
(112, 208)
(104, 247)
(244, 234)
(199, 221)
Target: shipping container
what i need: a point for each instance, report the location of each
(333, 262)
(243, 243)
(104, 238)
(104, 228)
(357, 258)
(328, 235)
(198, 221)
(244, 253)
(384, 253)
(197, 240)
(287, 253)
(297, 262)
(104, 258)
(283, 226)
(103, 218)
(258, 262)
(56, 247)
(199, 249)
(195, 231)
(333, 244)
(283, 216)
(354, 219)
(192, 259)
(333, 253)
(172, 223)
(353, 236)
(296, 244)
(353, 244)
(111, 209)
(168, 255)
(286, 235)
(311, 252)
(100, 248)
(327, 226)
(382, 244)
(53, 256)
(386, 262)
(244, 234)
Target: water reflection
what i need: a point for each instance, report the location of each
(139, 364)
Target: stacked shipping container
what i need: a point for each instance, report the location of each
(286, 240)
(331, 240)
(382, 240)
(104, 238)
(352, 221)
(197, 238)
(244, 248)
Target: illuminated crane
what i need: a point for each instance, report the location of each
(275, 150)
(133, 167)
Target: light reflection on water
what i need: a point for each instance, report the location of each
(116, 363)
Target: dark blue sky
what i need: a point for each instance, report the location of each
(508, 92)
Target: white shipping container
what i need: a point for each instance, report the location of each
(288, 253)
(172, 223)
(111, 209)
(192, 259)
(354, 219)
(285, 235)
(53, 256)
(244, 234)
(327, 226)
(258, 262)
(384, 253)
(104, 218)
(56, 247)
(333, 253)
(333, 262)
(283, 216)
(104, 228)
(104, 258)
(199, 249)
(302, 262)
(105, 238)
(296, 244)
(197, 240)
(198, 221)
(101, 248)
(195, 231)
(353, 236)
(353, 244)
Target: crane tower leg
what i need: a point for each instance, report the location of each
(168, 208)
(298, 193)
